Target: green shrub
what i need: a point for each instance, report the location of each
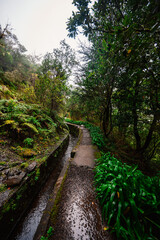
(2, 163)
(37, 174)
(3, 187)
(24, 165)
(49, 234)
(30, 127)
(129, 199)
(95, 132)
(34, 121)
(25, 120)
(28, 142)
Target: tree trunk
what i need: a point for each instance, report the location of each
(107, 119)
(150, 133)
(135, 127)
(135, 118)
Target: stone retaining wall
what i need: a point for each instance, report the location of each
(54, 197)
(14, 208)
(73, 129)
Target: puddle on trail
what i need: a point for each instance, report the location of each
(27, 228)
(80, 220)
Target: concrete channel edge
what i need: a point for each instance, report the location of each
(43, 225)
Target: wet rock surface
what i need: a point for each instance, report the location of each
(9, 159)
(14, 180)
(31, 167)
(12, 177)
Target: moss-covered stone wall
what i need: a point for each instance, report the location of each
(73, 129)
(14, 208)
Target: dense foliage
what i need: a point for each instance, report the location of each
(16, 68)
(32, 97)
(24, 124)
(119, 84)
(130, 200)
(51, 84)
(118, 88)
(23, 77)
(95, 132)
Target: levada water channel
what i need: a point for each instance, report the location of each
(27, 227)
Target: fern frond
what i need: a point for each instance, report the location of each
(30, 127)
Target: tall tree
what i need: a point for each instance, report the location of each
(125, 37)
(53, 74)
(15, 66)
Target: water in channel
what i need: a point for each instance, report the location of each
(27, 228)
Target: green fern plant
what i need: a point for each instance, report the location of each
(34, 121)
(11, 124)
(30, 127)
(28, 142)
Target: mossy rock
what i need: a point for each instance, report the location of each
(27, 153)
(3, 142)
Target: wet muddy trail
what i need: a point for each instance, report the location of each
(79, 215)
(26, 229)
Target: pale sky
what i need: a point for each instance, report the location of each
(39, 24)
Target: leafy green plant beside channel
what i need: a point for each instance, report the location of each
(3, 187)
(95, 132)
(28, 127)
(2, 163)
(24, 165)
(37, 174)
(129, 199)
(28, 142)
(49, 234)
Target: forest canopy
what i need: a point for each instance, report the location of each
(119, 86)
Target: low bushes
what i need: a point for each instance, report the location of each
(130, 200)
(23, 121)
(95, 132)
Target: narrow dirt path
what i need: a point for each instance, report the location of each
(79, 216)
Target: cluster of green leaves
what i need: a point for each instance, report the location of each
(95, 132)
(129, 199)
(49, 234)
(27, 80)
(25, 120)
(3, 187)
(37, 174)
(28, 142)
